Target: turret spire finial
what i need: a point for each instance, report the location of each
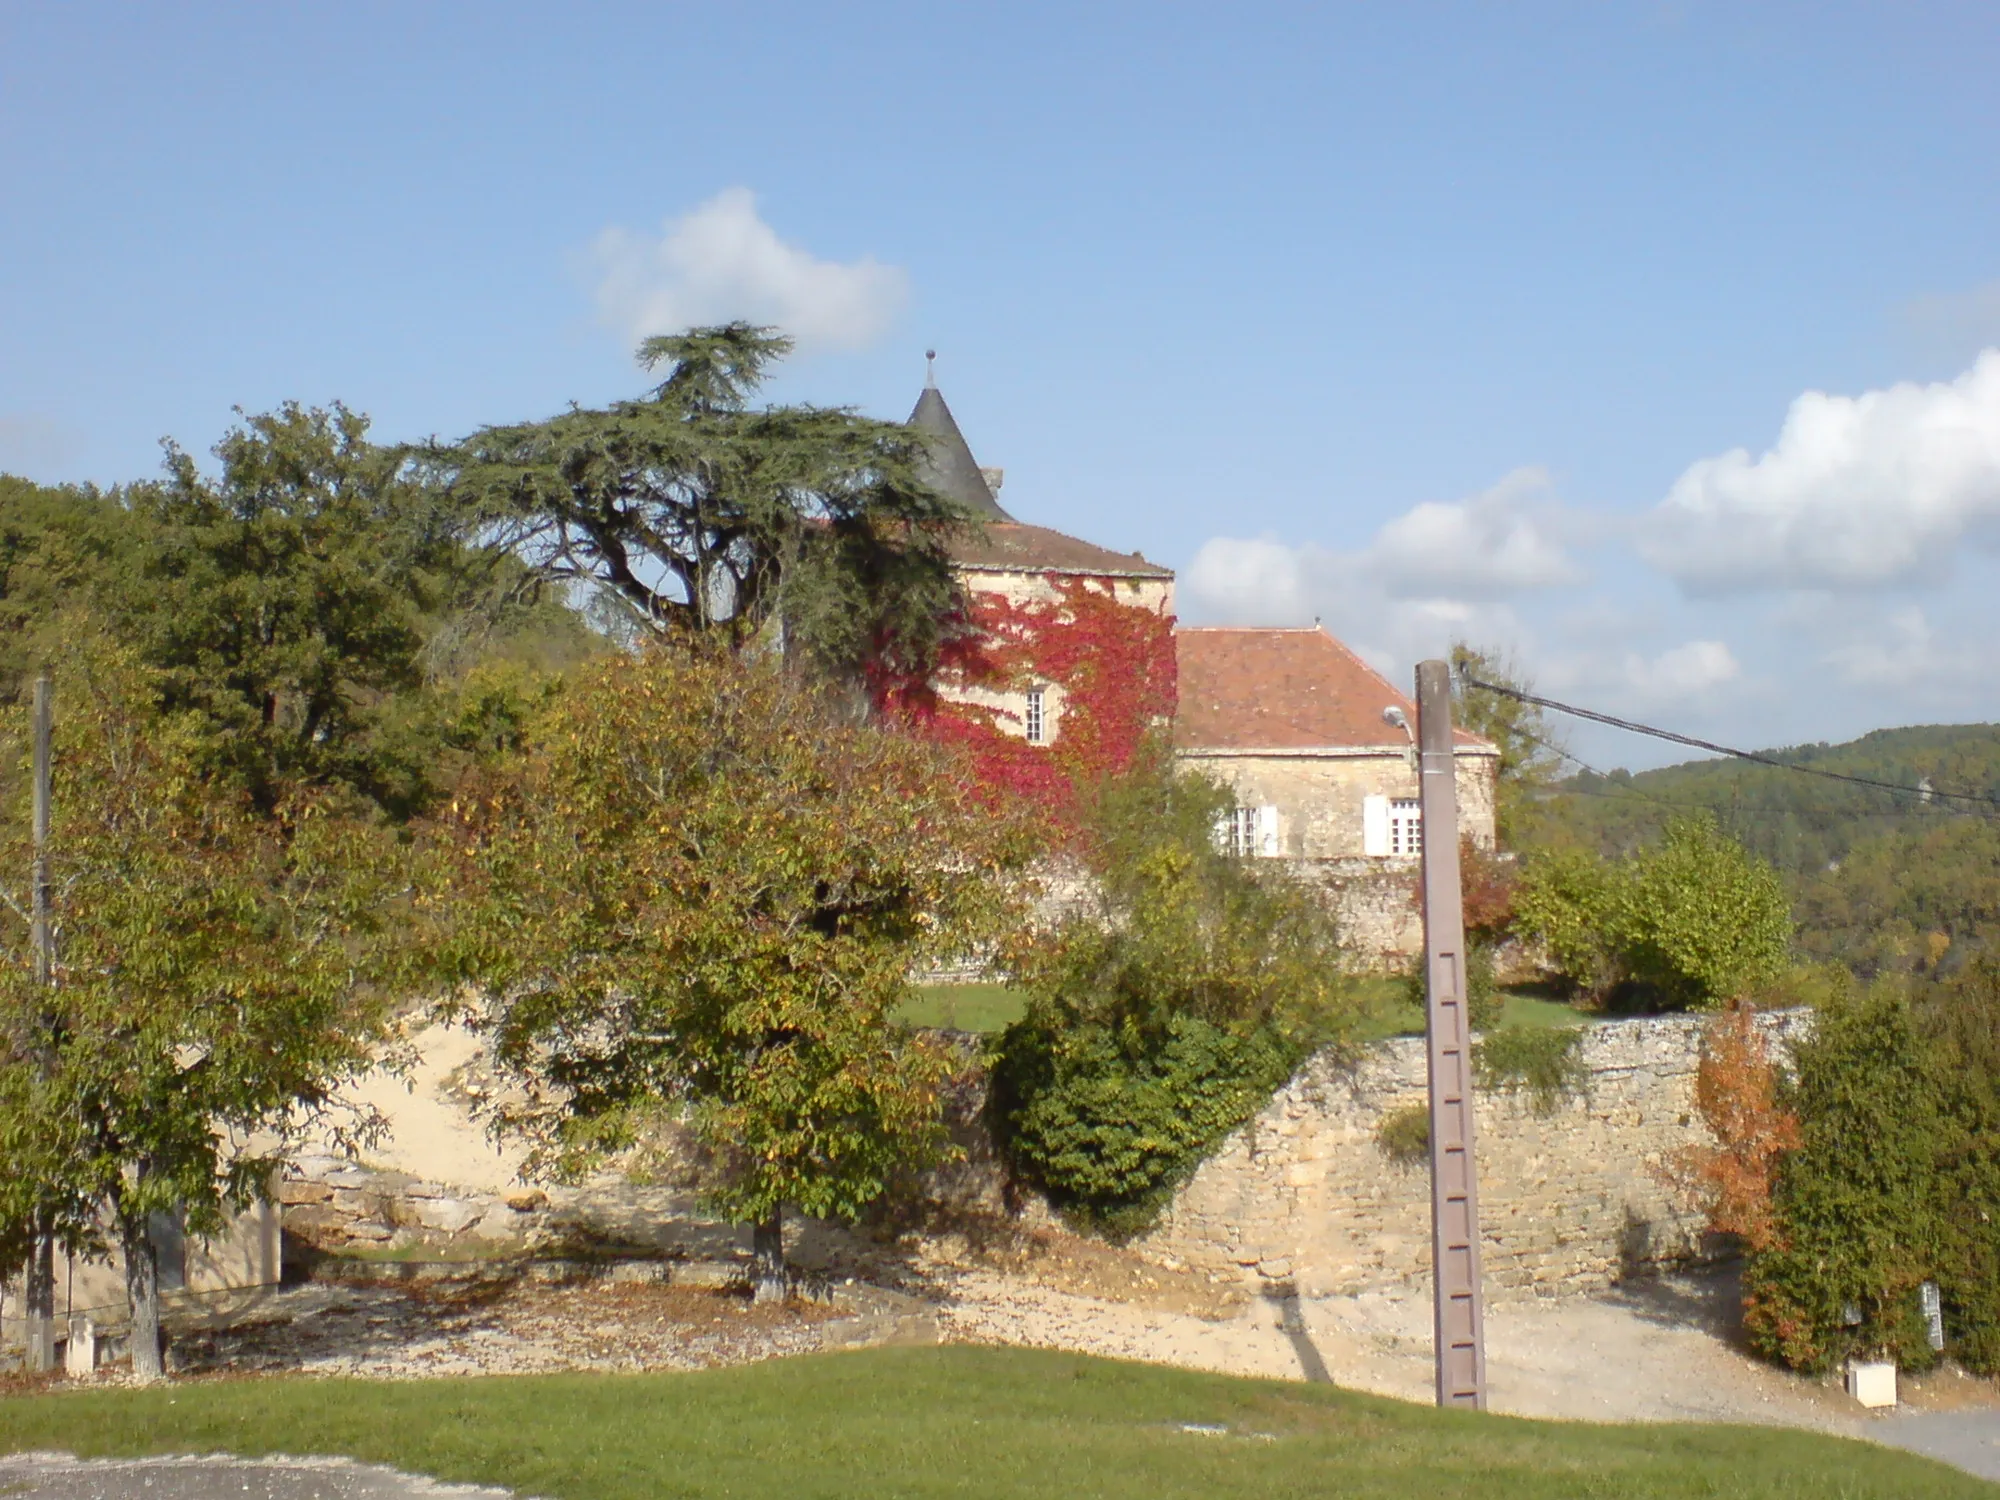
(930, 369)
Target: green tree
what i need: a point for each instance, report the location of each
(692, 899)
(705, 515)
(1161, 1017)
(1703, 920)
(1531, 754)
(1917, 900)
(1569, 901)
(286, 601)
(212, 982)
(60, 549)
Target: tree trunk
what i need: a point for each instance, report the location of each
(40, 1304)
(142, 1289)
(767, 1256)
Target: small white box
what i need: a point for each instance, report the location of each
(1872, 1382)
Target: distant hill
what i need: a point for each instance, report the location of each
(1800, 823)
(1881, 882)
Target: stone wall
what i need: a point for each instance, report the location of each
(332, 1204)
(1569, 1202)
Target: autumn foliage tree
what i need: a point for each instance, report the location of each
(213, 979)
(692, 900)
(1736, 1092)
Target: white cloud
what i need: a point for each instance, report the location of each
(1690, 670)
(1858, 492)
(1492, 545)
(722, 261)
(1242, 581)
(1436, 561)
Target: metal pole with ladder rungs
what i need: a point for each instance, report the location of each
(1460, 1324)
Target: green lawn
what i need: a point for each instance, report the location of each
(964, 1007)
(955, 1421)
(1385, 1013)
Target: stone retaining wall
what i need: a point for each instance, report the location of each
(1569, 1202)
(330, 1204)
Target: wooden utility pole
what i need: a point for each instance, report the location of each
(41, 1280)
(1459, 1322)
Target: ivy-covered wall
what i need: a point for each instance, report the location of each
(1102, 650)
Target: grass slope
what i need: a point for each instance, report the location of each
(954, 1422)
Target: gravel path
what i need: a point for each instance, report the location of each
(59, 1476)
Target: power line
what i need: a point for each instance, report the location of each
(1923, 793)
(1614, 790)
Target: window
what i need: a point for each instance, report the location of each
(1406, 826)
(1392, 827)
(1035, 720)
(1248, 831)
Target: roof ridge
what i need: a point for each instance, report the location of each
(1265, 629)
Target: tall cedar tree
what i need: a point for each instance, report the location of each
(692, 900)
(212, 986)
(703, 515)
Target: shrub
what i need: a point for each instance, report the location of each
(1543, 1061)
(1691, 921)
(1109, 1128)
(1859, 1206)
(1160, 1021)
(1568, 901)
(1736, 1090)
(1702, 919)
(1961, 1018)
(1404, 1135)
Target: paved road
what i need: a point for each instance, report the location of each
(1968, 1440)
(59, 1476)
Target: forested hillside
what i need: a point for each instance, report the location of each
(1880, 881)
(1799, 823)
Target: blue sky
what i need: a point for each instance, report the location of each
(1419, 319)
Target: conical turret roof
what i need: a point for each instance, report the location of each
(951, 469)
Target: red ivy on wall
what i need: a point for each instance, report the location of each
(1113, 661)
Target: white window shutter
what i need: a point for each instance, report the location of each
(1267, 832)
(1375, 826)
(1222, 831)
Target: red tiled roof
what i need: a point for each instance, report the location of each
(1245, 688)
(1012, 547)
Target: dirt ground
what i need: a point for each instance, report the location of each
(501, 1328)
